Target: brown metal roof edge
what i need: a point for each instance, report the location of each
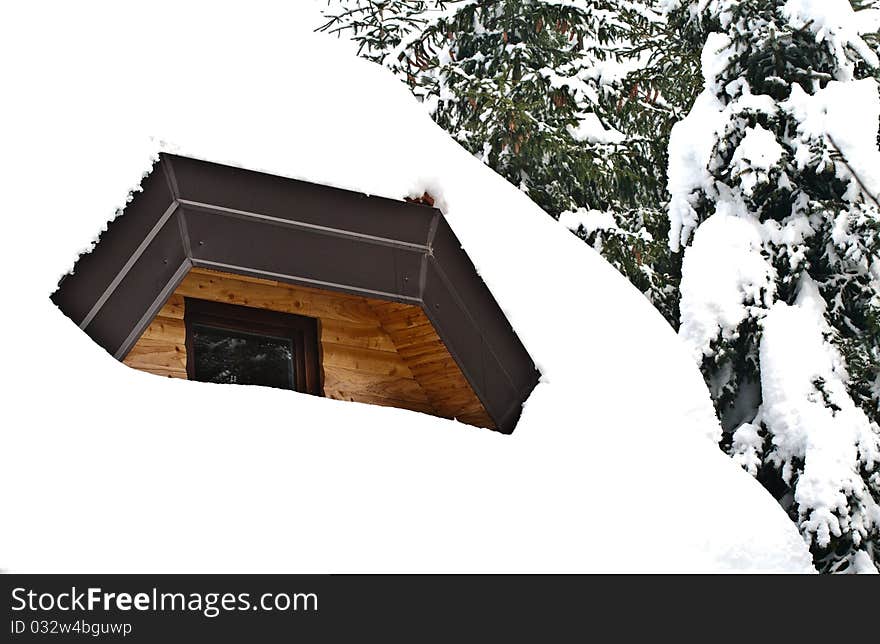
(197, 213)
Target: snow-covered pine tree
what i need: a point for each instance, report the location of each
(378, 26)
(515, 83)
(649, 86)
(534, 88)
(659, 80)
(774, 177)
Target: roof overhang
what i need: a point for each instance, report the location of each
(195, 213)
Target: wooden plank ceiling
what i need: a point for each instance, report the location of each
(373, 351)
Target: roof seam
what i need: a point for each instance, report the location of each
(153, 309)
(302, 225)
(429, 245)
(170, 177)
(132, 260)
(464, 308)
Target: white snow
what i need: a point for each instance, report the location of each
(724, 277)
(757, 153)
(690, 150)
(842, 110)
(109, 469)
(862, 564)
(692, 141)
(714, 59)
(812, 417)
(836, 22)
(590, 220)
(591, 130)
(846, 114)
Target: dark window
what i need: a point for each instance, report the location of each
(227, 343)
(239, 358)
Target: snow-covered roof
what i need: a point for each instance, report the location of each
(613, 466)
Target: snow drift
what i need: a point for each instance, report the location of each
(107, 469)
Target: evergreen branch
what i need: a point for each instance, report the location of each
(854, 174)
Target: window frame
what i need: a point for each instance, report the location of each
(300, 329)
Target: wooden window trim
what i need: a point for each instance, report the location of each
(300, 329)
